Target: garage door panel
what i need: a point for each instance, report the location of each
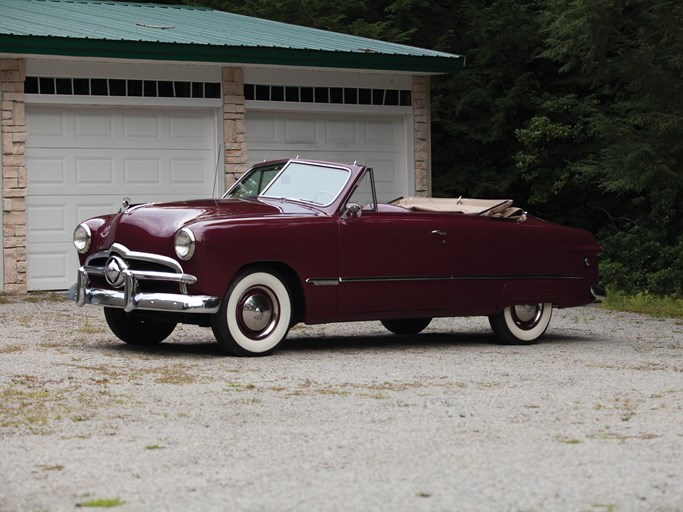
(93, 125)
(46, 171)
(139, 126)
(191, 128)
(48, 124)
(382, 134)
(342, 132)
(300, 131)
(189, 171)
(142, 172)
(260, 130)
(94, 171)
(48, 220)
(50, 266)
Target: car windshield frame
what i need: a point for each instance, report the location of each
(275, 167)
(284, 185)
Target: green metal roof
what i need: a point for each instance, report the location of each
(101, 28)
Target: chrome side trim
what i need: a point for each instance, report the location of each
(515, 277)
(323, 282)
(374, 279)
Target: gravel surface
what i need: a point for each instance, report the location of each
(342, 417)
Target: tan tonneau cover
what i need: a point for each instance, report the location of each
(501, 208)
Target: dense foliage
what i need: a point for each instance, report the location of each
(574, 108)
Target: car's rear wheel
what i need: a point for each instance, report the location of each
(522, 324)
(406, 325)
(255, 314)
(137, 331)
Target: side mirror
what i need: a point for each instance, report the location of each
(352, 211)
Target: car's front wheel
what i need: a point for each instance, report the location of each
(255, 314)
(137, 331)
(522, 324)
(406, 325)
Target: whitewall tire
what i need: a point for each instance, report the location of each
(255, 314)
(522, 324)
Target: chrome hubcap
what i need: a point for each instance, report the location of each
(258, 312)
(527, 316)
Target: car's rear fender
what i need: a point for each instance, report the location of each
(529, 291)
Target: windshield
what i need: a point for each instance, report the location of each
(313, 183)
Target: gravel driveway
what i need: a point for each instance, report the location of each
(342, 417)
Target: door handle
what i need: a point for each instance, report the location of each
(439, 232)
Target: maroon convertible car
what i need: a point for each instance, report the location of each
(307, 241)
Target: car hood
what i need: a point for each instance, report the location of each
(153, 225)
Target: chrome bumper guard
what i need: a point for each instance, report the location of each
(130, 298)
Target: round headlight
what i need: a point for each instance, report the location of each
(82, 237)
(184, 244)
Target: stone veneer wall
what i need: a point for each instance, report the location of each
(234, 130)
(13, 129)
(422, 134)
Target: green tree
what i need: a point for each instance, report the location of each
(476, 112)
(624, 60)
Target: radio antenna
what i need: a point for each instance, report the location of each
(215, 174)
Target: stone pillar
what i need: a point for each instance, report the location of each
(13, 129)
(422, 123)
(234, 132)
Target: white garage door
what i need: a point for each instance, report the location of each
(83, 161)
(376, 141)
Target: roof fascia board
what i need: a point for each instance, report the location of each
(40, 45)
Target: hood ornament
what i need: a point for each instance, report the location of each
(125, 204)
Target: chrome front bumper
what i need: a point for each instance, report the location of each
(130, 298)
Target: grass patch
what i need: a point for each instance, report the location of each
(177, 374)
(34, 405)
(101, 503)
(644, 303)
(9, 349)
(88, 328)
(35, 297)
(567, 440)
